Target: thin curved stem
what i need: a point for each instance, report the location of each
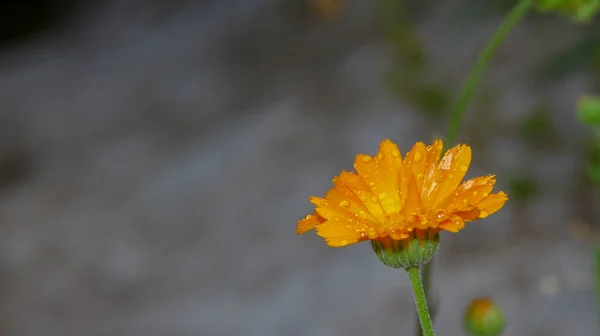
(414, 274)
(514, 16)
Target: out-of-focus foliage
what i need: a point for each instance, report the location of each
(576, 10)
(409, 78)
(537, 128)
(523, 188)
(588, 110)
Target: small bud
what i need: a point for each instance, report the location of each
(577, 10)
(415, 250)
(588, 110)
(484, 318)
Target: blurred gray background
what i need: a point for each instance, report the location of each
(156, 155)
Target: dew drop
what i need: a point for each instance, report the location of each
(464, 168)
(374, 199)
(363, 235)
(362, 214)
(451, 175)
(418, 157)
(486, 194)
(475, 193)
(442, 215)
(345, 204)
(307, 217)
(349, 220)
(334, 180)
(366, 159)
(419, 176)
(337, 219)
(483, 214)
(395, 153)
(363, 198)
(344, 242)
(382, 196)
(380, 156)
(372, 184)
(372, 234)
(355, 166)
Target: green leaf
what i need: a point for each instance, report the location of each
(588, 110)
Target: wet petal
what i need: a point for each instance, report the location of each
(308, 223)
(413, 167)
(491, 204)
(381, 175)
(469, 194)
(363, 193)
(448, 174)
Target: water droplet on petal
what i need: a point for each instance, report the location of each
(442, 215)
(355, 166)
(486, 194)
(366, 159)
(374, 199)
(372, 184)
(344, 242)
(363, 198)
(395, 153)
(349, 220)
(483, 214)
(419, 176)
(418, 157)
(380, 156)
(363, 235)
(362, 214)
(382, 196)
(475, 193)
(451, 175)
(308, 217)
(334, 180)
(464, 168)
(345, 204)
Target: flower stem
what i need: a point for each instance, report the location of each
(414, 274)
(514, 16)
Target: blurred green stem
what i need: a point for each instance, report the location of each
(414, 274)
(515, 14)
(458, 111)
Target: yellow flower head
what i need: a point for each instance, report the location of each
(389, 198)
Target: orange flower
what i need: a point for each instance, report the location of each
(390, 199)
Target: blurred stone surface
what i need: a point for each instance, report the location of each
(164, 153)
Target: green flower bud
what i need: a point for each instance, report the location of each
(588, 110)
(577, 10)
(412, 251)
(484, 318)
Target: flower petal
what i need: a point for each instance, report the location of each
(413, 167)
(355, 183)
(434, 151)
(469, 194)
(338, 219)
(381, 174)
(308, 223)
(448, 175)
(491, 204)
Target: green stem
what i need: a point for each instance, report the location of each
(515, 14)
(414, 274)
